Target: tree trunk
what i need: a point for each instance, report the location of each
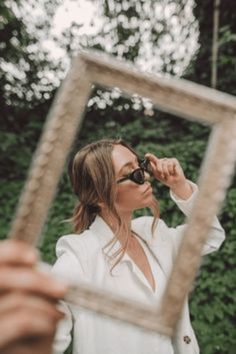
(216, 13)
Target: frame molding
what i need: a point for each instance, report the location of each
(177, 96)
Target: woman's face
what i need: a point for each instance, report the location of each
(130, 195)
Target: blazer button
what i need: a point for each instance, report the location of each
(187, 339)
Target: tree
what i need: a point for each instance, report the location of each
(26, 89)
(215, 43)
(200, 68)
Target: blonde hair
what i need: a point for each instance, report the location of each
(92, 176)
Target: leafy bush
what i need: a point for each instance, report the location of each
(212, 301)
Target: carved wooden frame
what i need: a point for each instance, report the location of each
(183, 98)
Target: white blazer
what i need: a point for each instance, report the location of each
(80, 257)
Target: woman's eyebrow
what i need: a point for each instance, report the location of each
(128, 164)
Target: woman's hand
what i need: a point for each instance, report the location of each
(28, 302)
(169, 172)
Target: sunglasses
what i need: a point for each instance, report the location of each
(138, 175)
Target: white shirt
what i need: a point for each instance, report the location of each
(81, 257)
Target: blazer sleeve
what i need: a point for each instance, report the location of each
(63, 336)
(68, 268)
(216, 235)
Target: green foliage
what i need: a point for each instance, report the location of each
(200, 69)
(213, 299)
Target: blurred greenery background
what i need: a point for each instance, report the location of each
(168, 37)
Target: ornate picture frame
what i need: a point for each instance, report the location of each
(184, 99)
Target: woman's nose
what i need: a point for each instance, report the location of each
(146, 176)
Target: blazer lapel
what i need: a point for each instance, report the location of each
(159, 246)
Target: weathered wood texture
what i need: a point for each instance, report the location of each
(47, 165)
(178, 96)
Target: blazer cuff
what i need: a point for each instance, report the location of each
(185, 205)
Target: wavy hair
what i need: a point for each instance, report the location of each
(92, 177)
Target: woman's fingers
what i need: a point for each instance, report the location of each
(25, 316)
(167, 170)
(16, 302)
(28, 300)
(31, 280)
(166, 166)
(171, 165)
(17, 252)
(41, 345)
(163, 167)
(17, 261)
(157, 167)
(23, 326)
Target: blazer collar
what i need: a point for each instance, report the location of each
(103, 232)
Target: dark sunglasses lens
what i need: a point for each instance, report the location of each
(138, 176)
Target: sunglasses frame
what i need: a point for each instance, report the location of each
(131, 176)
(144, 166)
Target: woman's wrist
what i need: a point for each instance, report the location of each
(182, 190)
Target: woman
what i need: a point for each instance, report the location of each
(28, 302)
(130, 257)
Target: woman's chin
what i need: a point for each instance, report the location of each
(147, 202)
